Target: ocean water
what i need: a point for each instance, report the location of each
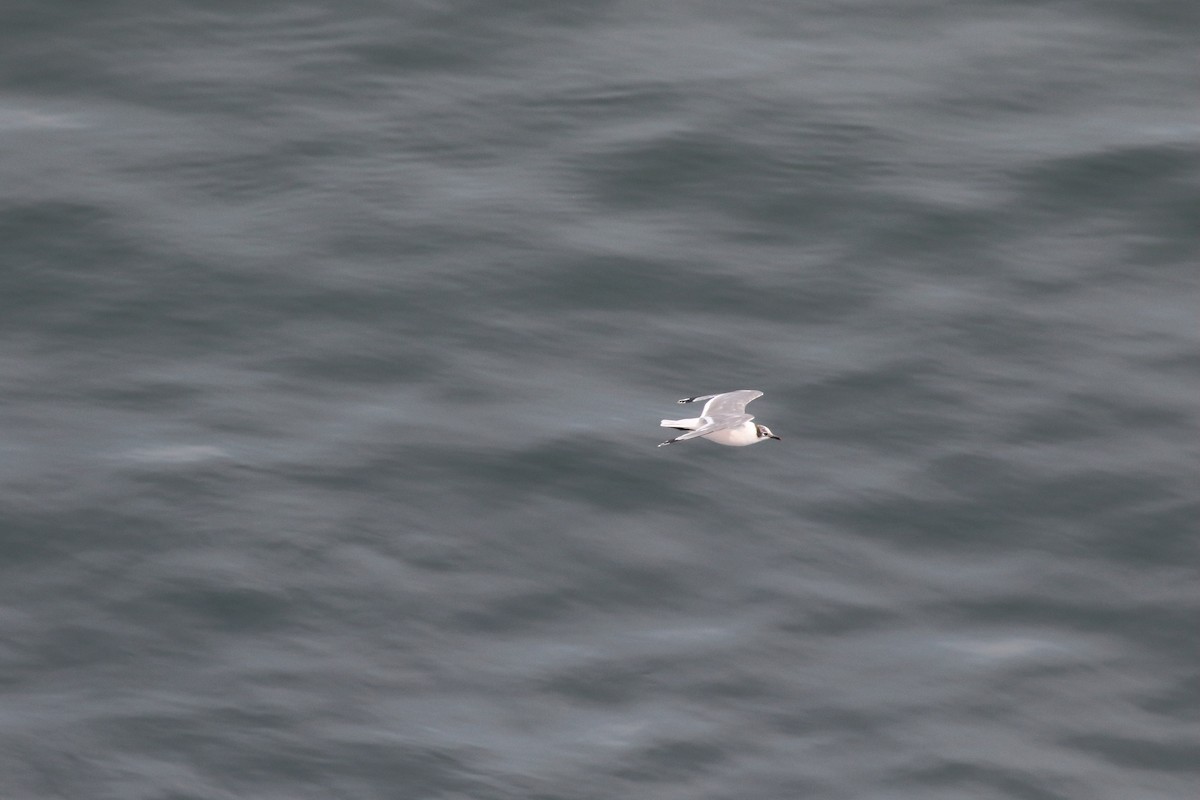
(334, 340)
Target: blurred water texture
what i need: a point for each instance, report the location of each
(335, 340)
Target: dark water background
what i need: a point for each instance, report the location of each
(334, 338)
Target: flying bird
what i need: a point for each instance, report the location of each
(724, 420)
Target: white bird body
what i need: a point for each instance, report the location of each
(723, 421)
(739, 436)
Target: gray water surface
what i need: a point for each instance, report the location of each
(334, 339)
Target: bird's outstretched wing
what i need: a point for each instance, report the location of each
(709, 425)
(730, 402)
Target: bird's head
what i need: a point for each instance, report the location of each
(765, 433)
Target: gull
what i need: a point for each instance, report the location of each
(724, 420)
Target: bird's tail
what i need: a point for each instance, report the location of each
(681, 424)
